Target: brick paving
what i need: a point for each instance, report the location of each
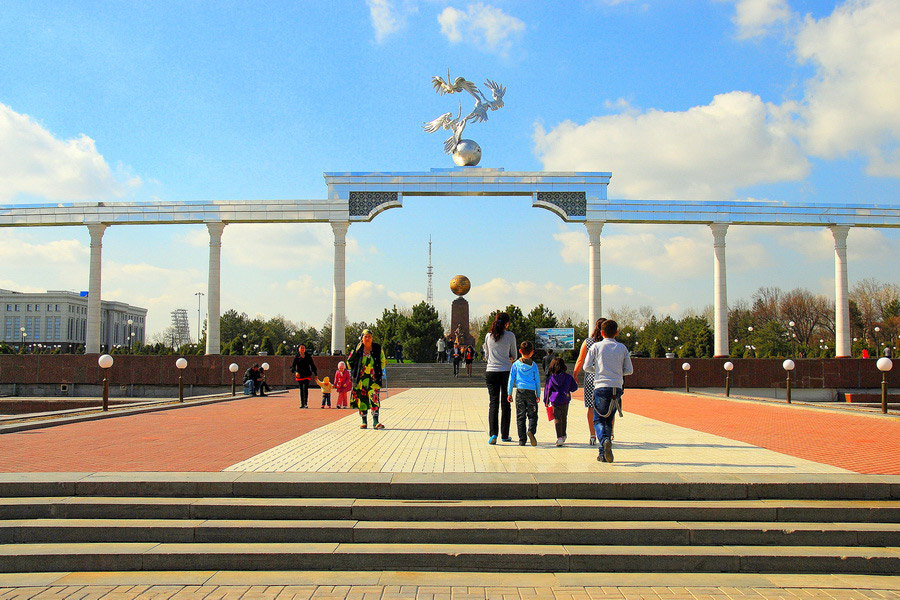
(856, 442)
(415, 592)
(198, 438)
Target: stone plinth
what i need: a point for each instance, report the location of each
(459, 316)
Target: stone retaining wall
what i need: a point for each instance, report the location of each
(843, 373)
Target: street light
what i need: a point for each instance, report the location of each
(686, 367)
(130, 333)
(884, 365)
(234, 369)
(728, 366)
(181, 363)
(199, 312)
(105, 361)
(788, 366)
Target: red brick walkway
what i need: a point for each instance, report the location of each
(864, 444)
(200, 438)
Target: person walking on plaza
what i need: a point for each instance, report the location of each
(342, 384)
(558, 393)
(548, 358)
(469, 356)
(326, 387)
(610, 361)
(525, 380)
(588, 386)
(499, 352)
(456, 357)
(367, 367)
(441, 349)
(304, 369)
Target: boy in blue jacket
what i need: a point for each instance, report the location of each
(525, 378)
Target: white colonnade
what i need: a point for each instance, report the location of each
(92, 335)
(720, 290)
(595, 304)
(841, 292)
(594, 229)
(338, 303)
(213, 289)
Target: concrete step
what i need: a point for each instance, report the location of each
(457, 486)
(623, 533)
(373, 509)
(450, 510)
(151, 556)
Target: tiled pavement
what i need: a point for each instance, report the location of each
(443, 431)
(532, 588)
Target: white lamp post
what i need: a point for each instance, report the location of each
(234, 369)
(686, 367)
(788, 366)
(884, 365)
(181, 363)
(728, 366)
(105, 361)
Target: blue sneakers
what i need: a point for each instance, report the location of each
(492, 440)
(506, 439)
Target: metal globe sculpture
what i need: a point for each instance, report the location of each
(460, 285)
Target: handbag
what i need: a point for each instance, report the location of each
(550, 412)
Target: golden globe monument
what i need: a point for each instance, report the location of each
(459, 311)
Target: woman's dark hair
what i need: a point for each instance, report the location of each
(597, 334)
(499, 326)
(557, 365)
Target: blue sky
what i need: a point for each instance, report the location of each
(699, 99)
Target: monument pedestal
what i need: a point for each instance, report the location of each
(459, 317)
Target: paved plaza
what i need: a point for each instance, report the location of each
(436, 430)
(443, 430)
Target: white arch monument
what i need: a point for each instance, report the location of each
(359, 197)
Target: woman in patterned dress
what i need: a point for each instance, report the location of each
(588, 386)
(366, 367)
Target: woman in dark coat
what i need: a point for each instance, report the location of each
(304, 369)
(366, 364)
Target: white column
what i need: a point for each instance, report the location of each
(213, 288)
(338, 305)
(720, 287)
(92, 335)
(841, 292)
(595, 307)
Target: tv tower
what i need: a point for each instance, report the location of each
(429, 297)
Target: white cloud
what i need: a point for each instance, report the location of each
(706, 152)
(852, 102)
(482, 24)
(386, 18)
(35, 163)
(60, 252)
(755, 17)
(278, 246)
(666, 252)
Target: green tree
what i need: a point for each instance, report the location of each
(267, 346)
(696, 336)
(354, 334)
(420, 331)
(388, 329)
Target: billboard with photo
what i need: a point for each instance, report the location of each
(557, 338)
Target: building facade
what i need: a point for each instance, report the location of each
(58, 319)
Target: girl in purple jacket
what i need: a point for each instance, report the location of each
(558, 392)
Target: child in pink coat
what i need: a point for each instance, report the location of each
(342, 385)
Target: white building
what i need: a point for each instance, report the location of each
(59, 318)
